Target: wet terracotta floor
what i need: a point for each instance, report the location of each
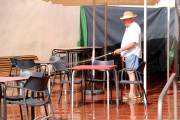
(132, 109)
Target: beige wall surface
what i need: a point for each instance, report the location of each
(35, 27)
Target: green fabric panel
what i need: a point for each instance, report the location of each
(171, 58)
(83, 29)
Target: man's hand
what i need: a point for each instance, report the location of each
(117, 51)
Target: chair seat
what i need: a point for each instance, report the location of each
(30, 102)
(75, 82)
(130, 82)
(96, 80)
(14, 98)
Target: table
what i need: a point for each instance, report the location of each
(7, 79)
(74, 50)
(96, 67)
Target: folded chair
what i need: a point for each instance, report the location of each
(138, 81)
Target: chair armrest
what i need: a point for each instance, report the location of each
(14, 86)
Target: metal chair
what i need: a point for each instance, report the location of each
(34, 84)
(13, 65)
(155, 62)
(58, 68)
(19, 97)
(138, 81)
(149, 58)
(54, 58)
(24, 65)
(94, 80)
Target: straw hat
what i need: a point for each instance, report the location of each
(128, 14)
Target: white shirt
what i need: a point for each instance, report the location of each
(132, 34)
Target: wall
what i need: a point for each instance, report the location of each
(36, 27)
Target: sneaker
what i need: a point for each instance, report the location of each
(138, 95)
(128, 96)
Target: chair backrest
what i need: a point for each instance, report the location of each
(30, 73)
(36, 84)
(13, 60)
(63, 58)
(99, 62)
(58, 65)
(149, 57)
(25, 64)
(141, 67)
(54, 58)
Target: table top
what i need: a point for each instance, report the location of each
(46, 62)
(75, 48)
(7, 79)
(93, 67)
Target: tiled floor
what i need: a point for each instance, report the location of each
(97, 110)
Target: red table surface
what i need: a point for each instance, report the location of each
(96, 67)
(7, 79)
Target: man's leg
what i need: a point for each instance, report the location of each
(133, 87)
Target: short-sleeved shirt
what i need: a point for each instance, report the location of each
(132, 34)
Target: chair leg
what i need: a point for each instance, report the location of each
(26, 111)
(52, 83)
(51, 109)
(92, 91)
(121, 95)
(85, 91)
(10, 71)
(111, 90)
(45, 110)
(21, 112)
(13, 89)
(60, 93)
(142, 95)
(82, 92)
(145, 96)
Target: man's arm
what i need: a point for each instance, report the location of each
(128, 46)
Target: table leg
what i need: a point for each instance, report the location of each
(72, 88)
(117, 88)
(32, 109)
(107, 72)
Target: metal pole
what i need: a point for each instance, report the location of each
(145, 44)
(168, 25)
(105, 29)
(94, 29)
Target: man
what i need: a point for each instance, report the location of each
(131, 50)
